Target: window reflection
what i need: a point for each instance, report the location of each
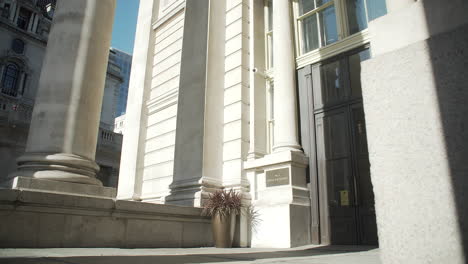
(361, 11)
(356, 16)
(310, 33)
(355, 71)
(306, 6)
(328, 23)
(331, 78)
(318, 21)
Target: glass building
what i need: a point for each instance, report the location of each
(124, 61)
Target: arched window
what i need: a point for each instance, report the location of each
(10, 80)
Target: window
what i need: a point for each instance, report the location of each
(317, 23)
(6, 11)
(338, 79)
(23, 18)
(17, 46)
(10, 80)
(271, 115)
(355, 71)
(359, 12)
(269, 34)
(324, 22)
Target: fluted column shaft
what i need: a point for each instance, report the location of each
(285, 109)
(63, 134)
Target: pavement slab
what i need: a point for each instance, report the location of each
(307, 254)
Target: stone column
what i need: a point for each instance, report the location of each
(286, 136)
(22, 79)
(31, 22)
(36, 22)
(2, 67)
(63, 133)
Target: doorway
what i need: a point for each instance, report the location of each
(334, 137)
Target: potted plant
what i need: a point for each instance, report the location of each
(223, 206)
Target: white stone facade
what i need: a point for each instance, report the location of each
(184, 143)
(237, 142)
(361, 103)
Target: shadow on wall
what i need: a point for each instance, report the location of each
(449, 57)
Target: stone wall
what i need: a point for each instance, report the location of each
(37, 220)
(415, 94)
(162, 109)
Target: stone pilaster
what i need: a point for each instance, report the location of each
(131, 172)
(257, 92)
(198, 145)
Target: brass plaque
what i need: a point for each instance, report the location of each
(277, 177)
(344, 197)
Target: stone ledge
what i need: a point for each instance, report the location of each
(297, 158)
(39, 219)
(60, 187)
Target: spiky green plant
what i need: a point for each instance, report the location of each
(224, 203)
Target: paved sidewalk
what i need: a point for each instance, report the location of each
(307, 254)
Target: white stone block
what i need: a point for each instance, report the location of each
(157, 171)
(230, 4)
(162, 115)
(157, 157)
(163, 127)
(232, 149)
(234, 94)
(236, 59)
(156, 187)
(234, 44)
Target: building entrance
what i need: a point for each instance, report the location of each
(334, 136)
(344, 175)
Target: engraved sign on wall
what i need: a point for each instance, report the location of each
(277, 177)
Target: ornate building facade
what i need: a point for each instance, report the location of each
(24, 29)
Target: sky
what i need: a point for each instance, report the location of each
(123, 34)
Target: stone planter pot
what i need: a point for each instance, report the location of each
(223, 230)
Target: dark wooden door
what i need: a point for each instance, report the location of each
(333, 134)
(364, 200)
(334, 164)
(344, 174)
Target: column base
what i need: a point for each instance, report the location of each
(58, 167)
(280, 196)
(280, 147)
(50, 186)
(192, 192)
